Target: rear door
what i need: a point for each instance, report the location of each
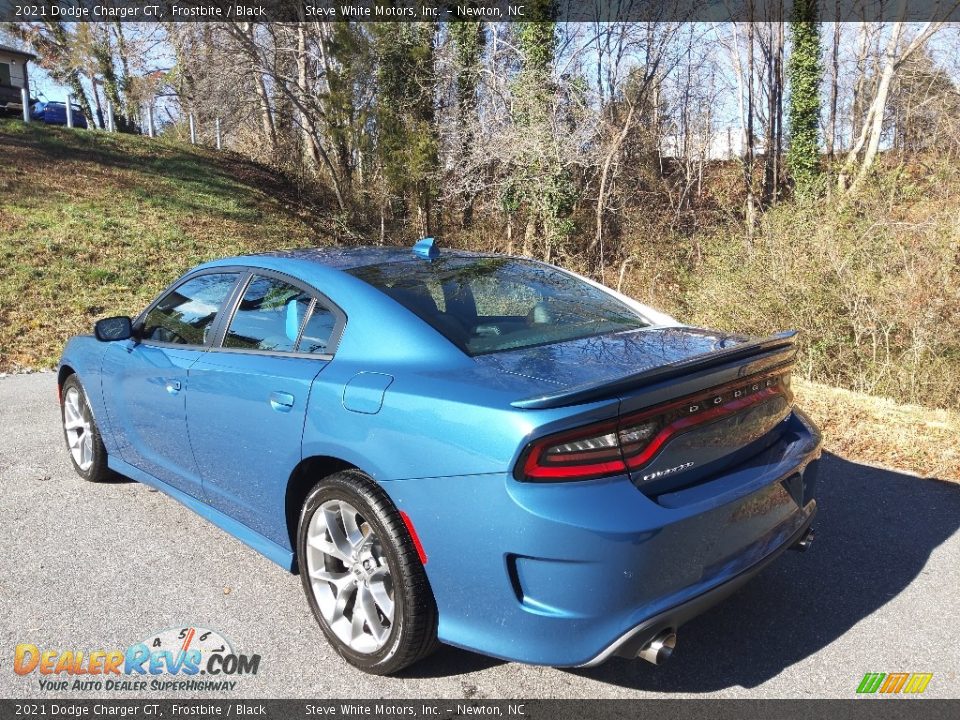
(248, 397)
(146, 381)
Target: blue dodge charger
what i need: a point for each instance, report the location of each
(474, 449)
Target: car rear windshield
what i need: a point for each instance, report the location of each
(489, 304)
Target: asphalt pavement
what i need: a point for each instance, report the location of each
(89, 566)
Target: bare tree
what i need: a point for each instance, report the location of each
(898, 51)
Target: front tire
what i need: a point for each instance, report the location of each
(363, 577)
(86, 449)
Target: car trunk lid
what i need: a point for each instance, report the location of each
(691, 401)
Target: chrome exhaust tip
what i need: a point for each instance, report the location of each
(659, 650)
(804, 543)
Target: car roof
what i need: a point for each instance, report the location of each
(377, 318)
(341, 258)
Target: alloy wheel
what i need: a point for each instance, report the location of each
(350, 577)
(79, 428)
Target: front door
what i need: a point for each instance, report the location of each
(148, 379)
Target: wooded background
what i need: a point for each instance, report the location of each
(786, 172)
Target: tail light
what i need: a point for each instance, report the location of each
(616, 447)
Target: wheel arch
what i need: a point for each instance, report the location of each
(63, 373)
(304, 476)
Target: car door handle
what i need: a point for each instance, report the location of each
(173, 386)
(281, 401)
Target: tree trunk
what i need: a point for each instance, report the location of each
(266, 117)
(856, 103)
(96, 100)
(778, 135)
(873, 127)
(528, 236)
(597, 241)
(306, 121)
(79, 94)
(121, 89)
(770, 131)
(260, 87)
(831, 134)
(749, 160)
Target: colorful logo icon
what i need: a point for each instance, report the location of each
(894, 683)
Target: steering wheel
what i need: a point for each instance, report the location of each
(167, 335)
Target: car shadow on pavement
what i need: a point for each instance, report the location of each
(875, 531)
(115, 478)
(449, 661)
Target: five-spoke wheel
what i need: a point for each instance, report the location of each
(78, 428)
(87, 453)
(350, 576)
(363, 576)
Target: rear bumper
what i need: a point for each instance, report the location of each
(634, 640)
(567, 574)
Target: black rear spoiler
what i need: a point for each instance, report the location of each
(588, 393)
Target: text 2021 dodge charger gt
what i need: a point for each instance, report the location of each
(480, 450)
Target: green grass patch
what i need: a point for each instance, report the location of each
(94, 224)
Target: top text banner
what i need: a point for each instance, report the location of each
(469, 10)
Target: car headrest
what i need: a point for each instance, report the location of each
(294, 319)
(416, 298)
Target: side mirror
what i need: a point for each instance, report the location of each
(114, 328)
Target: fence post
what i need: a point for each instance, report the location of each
(110, 121)
(69, 110)
(25, 99)
(218, 133)
(150, 128)
(193, 133)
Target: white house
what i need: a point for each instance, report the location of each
(723, 144)
(13, 76)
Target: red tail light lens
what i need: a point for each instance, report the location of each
(593, 451)
(617, 446)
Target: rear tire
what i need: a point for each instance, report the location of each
(80, 431)
(363, 577)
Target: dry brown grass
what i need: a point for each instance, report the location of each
(878, 431)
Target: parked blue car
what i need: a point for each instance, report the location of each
(55, 113)
(481, 450)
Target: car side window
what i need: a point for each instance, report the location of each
(270, 316)
(317, 331)
(185, 315)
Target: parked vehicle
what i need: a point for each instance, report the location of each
(11, 101)
(55, 113)
(483, 450)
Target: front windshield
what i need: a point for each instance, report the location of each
(490, 304)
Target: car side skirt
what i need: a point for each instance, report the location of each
(254, 540)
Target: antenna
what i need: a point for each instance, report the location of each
(427, 249)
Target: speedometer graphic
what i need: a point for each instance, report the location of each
(184, 639)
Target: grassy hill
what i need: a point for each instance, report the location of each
(94, 224)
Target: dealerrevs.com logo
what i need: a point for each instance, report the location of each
(186, 659)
